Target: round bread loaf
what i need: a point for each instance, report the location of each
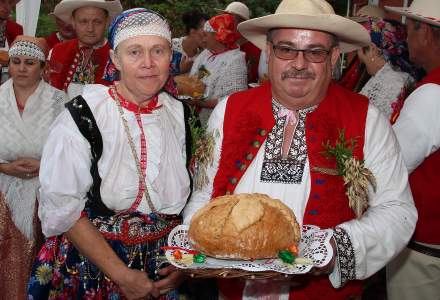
(189, 85)
(244, 226)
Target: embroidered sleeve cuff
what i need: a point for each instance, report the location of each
(345, 258)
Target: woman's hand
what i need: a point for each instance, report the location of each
(135, 284)
(24, 168)
(173, 279)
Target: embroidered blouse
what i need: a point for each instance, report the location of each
(65, 165)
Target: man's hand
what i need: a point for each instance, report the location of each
(327, 269)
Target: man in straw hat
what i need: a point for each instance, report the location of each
(280, 139)
(82, 60)
(415, 274)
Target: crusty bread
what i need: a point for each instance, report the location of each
(4, 58)
(244, 226)
(189, 86)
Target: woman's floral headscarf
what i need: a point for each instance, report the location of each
(225, 30)
(390, 38)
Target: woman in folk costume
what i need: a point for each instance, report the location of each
(28, 106)
(221, 66)
(386, 61)
(115, 159)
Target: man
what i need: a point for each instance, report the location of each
(65, 31)
(241, 13)
(82, 60)
(9, 29)
(271, 140)
(415, 274)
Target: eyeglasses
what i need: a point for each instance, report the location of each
(316, 55)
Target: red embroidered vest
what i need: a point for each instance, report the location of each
(13, 29)
(64, 61)
(424, 182)
(248, 120)
(52, 39)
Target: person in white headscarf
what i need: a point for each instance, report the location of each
(113, 176)
(28, 106)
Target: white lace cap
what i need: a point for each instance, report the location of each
(26, 48)
(145, 23)
(208, 28)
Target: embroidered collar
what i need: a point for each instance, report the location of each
(97, 46)
(282, 111)
(59, 36)
(152, 105)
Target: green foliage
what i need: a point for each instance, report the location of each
(171, 9)
(341, 151)
(174, 9)
(197, 131)
(45, 25)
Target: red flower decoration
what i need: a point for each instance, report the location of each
(226, 30)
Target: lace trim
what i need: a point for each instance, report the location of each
(346, 258)
(384, 88)
(290, 170)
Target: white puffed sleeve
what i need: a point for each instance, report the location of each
(389, 222)
(64, 176)
(418, 127)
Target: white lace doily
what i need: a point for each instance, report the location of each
(314, 245)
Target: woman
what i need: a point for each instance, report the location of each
(221, 66)
(28, 107)
(190, 45)
(116, 159)
(386, 61)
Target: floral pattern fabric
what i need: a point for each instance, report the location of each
(61, 272)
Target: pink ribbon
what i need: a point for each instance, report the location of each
(289, 114)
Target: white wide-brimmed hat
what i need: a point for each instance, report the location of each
(237, 8)
(427, 11)
(368, 11)
(307, 14)
(65, 8)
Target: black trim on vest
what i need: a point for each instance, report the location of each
(188, 143)
(84, 119)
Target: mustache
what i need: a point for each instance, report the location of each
(302, 74)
